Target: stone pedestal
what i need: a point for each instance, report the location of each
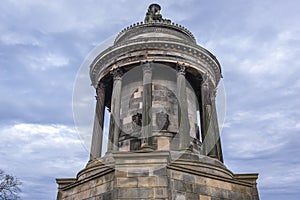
(160, 175)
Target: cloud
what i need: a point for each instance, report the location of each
(14, 38)
(265, 141)
(46, 61)
(33, 152)
(271, 129)
(252, 57)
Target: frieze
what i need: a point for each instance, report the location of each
(197, 53)
(111, 49)
(160, 58)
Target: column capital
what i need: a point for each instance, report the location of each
(204, 79)
(181, 68)
(101, 85)
(213, 94)
(117, 73)
(147, 66)
(100, 89)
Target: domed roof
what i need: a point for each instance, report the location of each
(155, 29)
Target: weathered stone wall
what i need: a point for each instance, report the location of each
(164, 101)
(192, 110)
(163, 184)
(141, 185)
(96, 188)
(155, 175)
(185, 186)
(141, 175)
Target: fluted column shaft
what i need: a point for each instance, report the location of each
(147, 104)
(115, 110)
(217, 150)
(183, 118)
(211, 142)
(97, 137)
(205, 111)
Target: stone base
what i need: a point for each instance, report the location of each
(160, 175)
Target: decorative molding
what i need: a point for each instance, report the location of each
(205, 81)
(169, 46)
(154, 29)
(140, 26)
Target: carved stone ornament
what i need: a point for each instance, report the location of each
(137, 121)
(107, 57)
(162, 121)
(117, 73)
(101, 87)
(205, 78)
(153, 14)
(213, 94)
(147, 66)
(180, 69)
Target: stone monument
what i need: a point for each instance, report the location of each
(164, 143)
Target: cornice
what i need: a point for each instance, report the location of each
(169, 46)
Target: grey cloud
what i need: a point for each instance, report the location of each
(37, 154)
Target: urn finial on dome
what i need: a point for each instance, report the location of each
(153, 14)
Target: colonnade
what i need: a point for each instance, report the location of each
(208, 106)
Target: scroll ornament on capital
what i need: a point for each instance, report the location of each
(213, 94)
(100, 90)
(147, 66)
(181, 69)
(205, 82)
(101, 86)
(117, 73)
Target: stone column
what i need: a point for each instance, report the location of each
(115, 110)
(211, 143)
(217, 150)
(111, 131)
(183, 118)
(205, 112)
(97, 137)
(147, 105)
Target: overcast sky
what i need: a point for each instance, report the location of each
(44, 43)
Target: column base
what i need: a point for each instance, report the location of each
(186, 149)
(146, 147)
